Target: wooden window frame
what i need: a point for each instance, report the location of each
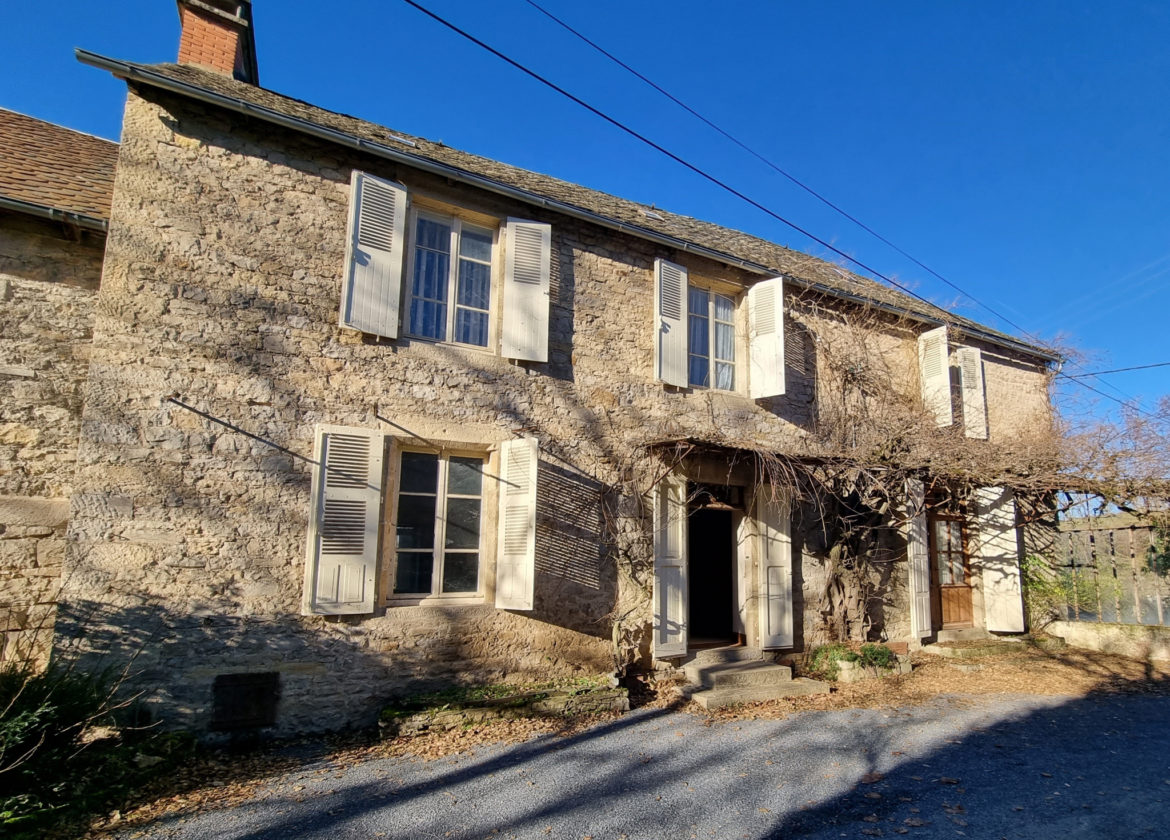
(964, 554)
(712, 290)
(456, 218)
(487, 500)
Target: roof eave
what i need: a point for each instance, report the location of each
(56, 214)
(128, 71)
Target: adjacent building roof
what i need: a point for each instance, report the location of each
(720, 243)
(52, 168)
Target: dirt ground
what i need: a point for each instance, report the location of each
(219, 779)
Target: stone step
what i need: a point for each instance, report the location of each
(740, 674)
(964, 634)
(718, 698)
(730, 653)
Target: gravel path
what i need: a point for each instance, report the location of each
(979, 767)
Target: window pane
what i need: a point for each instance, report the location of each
(697, 373)
(465, 477)
(724, 308)
(724, 342)
(725, 376)
(697, 301)
(697, 336)
(476, 244)
(471, 327)
(414, 573)
(433, 234)
(430, 275)
(460, 572)
(462, 523)
(420, 472)
(475, 284)
(428, 319)
(416, 521)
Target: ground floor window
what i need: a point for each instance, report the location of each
(439, 524)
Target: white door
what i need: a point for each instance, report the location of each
(670, 567)
(998, 554)
(918, 559)
(775, 584)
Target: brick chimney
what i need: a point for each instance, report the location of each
(217, 35)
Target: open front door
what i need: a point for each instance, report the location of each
(999, 556)
(670, 567)
(775, 584)
(917, 553)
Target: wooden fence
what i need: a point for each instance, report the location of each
(1106, 570)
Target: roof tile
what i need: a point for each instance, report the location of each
(54, 166)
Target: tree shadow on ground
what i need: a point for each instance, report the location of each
(1091, 766)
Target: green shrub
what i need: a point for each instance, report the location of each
(825, 659)
(877, 656)
(54, 769)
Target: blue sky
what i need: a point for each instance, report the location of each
(1021, 150)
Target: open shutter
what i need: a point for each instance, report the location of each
(999, 555)
(670, 323)
(775, 569)
(918, 559)
(766, 338)
(373, 255)
(670, 567)
(342, 554)
(935, 372)
(516, 558)
(527, 261)
(974, 392)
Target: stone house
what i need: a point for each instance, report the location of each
(366, 414)
(55, 189)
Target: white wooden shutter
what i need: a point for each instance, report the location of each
(516, 557)
(342, 552)
(974, 392)
(766, 337)
(775, 569)
(918, 559)
(373, 255)
(999, 555)
(935, 373)
(527, 262)
(670, 323)
(670, 567)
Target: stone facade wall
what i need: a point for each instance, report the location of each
(48, 278)
(221, 285)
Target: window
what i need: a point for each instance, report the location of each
(950, 563)
(710, 340)
(451, 280)
(439, 538)
(439, 515)
(442, 265)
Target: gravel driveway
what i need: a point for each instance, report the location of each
(980, 767)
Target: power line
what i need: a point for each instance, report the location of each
(676, 158)
(723, 185)
(776, 168)
(1119, 370)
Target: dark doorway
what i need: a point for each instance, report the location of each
(711, 572)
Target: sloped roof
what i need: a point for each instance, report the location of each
(716, 241)
(55, 167)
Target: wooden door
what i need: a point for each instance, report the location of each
(950, 571)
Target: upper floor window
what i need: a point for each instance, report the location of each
(696, 343)
(437, 271)
(451, 280)
(710, 340)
